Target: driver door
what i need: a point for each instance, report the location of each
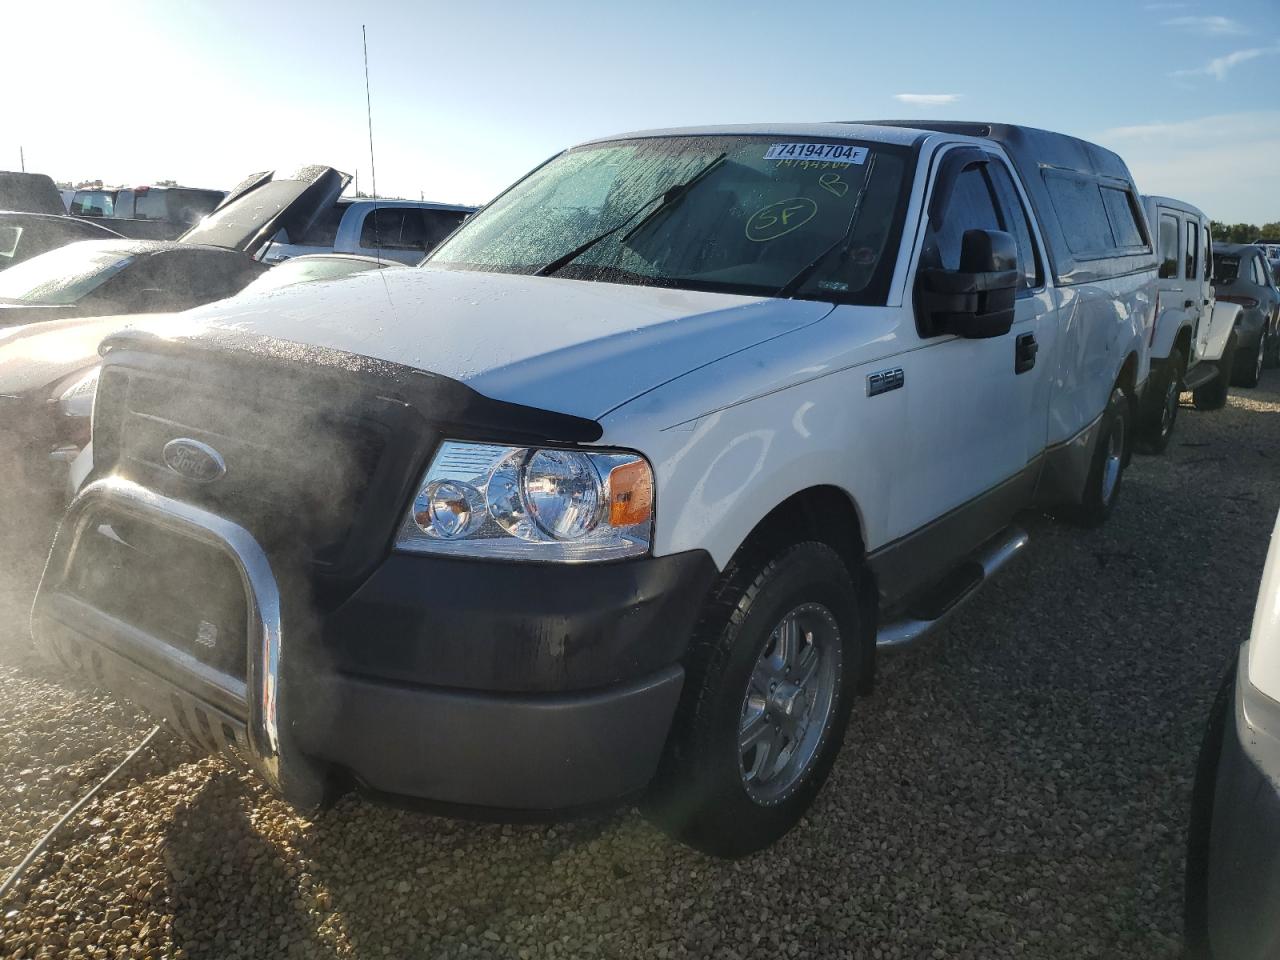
(979, 410)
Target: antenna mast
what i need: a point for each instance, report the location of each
(373, 171)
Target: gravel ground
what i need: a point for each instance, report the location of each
(1017, 787)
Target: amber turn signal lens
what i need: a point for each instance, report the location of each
(630, 494)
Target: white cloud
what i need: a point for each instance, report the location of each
(1212, 25)
(1221, 163)
(1219, 66)
(927, 99)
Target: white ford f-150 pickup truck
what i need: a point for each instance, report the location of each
(622, 491)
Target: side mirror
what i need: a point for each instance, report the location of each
(977, 300)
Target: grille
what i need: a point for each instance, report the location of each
(180, 591)
(295, 471)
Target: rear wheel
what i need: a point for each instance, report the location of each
(1213, 395)
(1249, 368)
(1106, 470)
(771, 675)
(1161, 414)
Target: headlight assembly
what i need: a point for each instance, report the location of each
(521, 503)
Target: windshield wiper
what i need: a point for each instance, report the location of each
(795, 283)
(673, 196)
(668, 197)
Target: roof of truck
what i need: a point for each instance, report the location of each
(853, 131)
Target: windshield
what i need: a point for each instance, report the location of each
(64, 275)
(671, 212)
(94, 203)
(305, 270)
(1225, 267)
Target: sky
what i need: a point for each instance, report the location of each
(467, 97)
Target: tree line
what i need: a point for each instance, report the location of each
(1245, 232)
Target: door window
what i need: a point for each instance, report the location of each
(1168, 240)
(1193, 249)
(971, 207)
(1014, 215)
(382, 227)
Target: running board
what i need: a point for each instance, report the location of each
(1203, 372)
(958, 588)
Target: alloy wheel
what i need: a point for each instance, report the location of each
(789, 703)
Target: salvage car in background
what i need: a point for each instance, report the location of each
(94, 278)
(146, 213)
(404, 230)
(1233, 849)
(1242, 275)
(615, 481)
(26, 235)
(30, 193)
(213, 260)
(49, 373)
(1193, 344)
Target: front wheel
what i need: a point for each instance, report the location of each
(771, 675)
(1106, 470)
(1272, 356)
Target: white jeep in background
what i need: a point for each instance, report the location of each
(626, 487)
(1192, 346)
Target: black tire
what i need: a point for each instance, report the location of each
(1213, 395)
(1271, 360)
(700, 795)
(1160, 413)
(1249, 365)
(1204, 788)
(1101, 491)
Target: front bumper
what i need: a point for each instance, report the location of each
(506, 686)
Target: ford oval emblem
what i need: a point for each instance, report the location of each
(194, 460)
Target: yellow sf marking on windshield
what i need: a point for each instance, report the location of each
(777, 219)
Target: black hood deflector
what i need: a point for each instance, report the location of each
(296, 370)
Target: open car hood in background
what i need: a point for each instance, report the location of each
(30, 193)
(262, 204)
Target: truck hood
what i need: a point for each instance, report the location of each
(570, 346)
(263, 204)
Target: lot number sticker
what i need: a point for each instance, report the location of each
(835, 152)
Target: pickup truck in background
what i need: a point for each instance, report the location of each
(146, 213)
(403, 230)
(1193, 345)
(628, 485)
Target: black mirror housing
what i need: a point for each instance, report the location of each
(977, 300)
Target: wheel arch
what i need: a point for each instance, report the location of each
(827, 514)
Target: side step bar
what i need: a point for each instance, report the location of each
(1203, 372)
(961, 585)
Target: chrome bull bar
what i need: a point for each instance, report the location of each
(269, 752)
